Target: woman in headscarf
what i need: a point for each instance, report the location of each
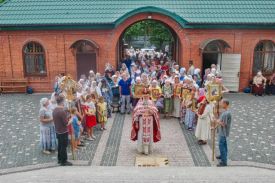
(205, 115)
(259, 82)
(124, 68)
(182, 73)
(197, 74)
(135, 98)
(167, 91)
(47, 130)
(107, 94)
(91, 77)
(95, 90)
(176, 97)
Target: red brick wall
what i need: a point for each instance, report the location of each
(60, 58)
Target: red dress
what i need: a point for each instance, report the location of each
(90, 119)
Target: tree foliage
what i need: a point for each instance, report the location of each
(157, 32)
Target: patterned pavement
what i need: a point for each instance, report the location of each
(252, 137)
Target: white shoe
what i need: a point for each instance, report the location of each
(46, 152)
(90, 139)
(93, 137)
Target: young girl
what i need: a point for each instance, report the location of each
(76, 124)
(102, 112)
(89, 111)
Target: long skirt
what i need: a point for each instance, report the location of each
(48, 137)
(176, 111)
(203, 129)
(168, 105)
(190, 118)
(183, 113)
(258, 90)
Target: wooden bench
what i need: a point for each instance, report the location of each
(13, 86)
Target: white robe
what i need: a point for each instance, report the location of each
(203, 129)
(144, 124)
(177, 105)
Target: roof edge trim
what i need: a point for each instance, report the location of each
(151, 9)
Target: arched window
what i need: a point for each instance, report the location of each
(264, 57)
(34, 59)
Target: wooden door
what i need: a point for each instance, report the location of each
(85, 62)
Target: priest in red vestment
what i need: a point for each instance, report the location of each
(145, 124)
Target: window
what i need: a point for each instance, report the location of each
(34, 59)
(264, 57)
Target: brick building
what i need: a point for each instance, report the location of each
(42, 38)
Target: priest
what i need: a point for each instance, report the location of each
(145, 124)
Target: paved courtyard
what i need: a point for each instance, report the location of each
(252, 138)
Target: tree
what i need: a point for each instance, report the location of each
(155, 31)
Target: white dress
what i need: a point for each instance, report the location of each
(203, 128)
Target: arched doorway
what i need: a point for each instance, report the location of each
(212, 51)
(149, 36)
(264, 57)
(86, 56)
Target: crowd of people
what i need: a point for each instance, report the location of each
(97, 96)
(262, 85)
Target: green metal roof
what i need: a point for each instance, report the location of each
(110, 13)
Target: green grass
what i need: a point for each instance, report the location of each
(1, 1)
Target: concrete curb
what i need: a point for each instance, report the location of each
(39, 167)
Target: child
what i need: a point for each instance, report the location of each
(102, 112)
(89, 111)
(76, 124)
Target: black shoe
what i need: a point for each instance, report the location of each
(218, 157)
(67, 163)
(221, 165)
(59, 162)
(81, 145)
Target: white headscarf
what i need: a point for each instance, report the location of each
(43, 101)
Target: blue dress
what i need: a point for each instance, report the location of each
(47, 131)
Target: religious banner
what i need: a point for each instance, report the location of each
(139, 91)
(155, 93)
(214, 92)
(177, 91)
(185, 92)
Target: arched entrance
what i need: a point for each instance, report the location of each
(149, 35)
(212, 51)
(85, 53)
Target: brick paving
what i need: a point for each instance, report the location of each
(19, 134)
(251, 139)
(197, 152)
(252, 136)
(109, 157)
(172, 145)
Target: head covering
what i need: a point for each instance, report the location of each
(201, 99)
(43, 101)
(197, 71)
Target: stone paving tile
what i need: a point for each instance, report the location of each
(251, 139)
(197, 152)
(252, 136)
(19, 133)
(110, 154)
(172, 145)
(102, 143)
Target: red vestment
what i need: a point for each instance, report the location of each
(141, 109)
